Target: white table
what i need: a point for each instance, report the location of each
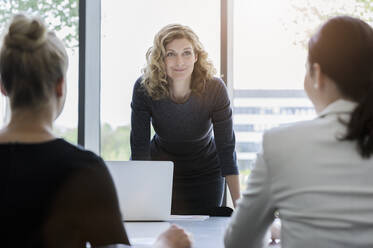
(206, 233)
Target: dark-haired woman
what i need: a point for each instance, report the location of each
(320, 180)
(52, 193)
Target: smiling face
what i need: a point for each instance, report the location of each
(179, 60)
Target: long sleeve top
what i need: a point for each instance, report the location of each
(197, 135)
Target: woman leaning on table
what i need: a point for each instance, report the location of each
(186, 105)
(53, 194)
(320, 181)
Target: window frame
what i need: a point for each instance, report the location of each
(89, 74)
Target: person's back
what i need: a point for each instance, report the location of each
(321, 187)
(317, 175)
(29, 181)
(44, 186)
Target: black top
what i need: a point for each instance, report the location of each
(184, 131)
(184, 135)
(56, 194)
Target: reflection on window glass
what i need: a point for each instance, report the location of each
(62, 16)
(270, 41)
(128, 30)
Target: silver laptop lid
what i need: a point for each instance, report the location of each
(144, 189)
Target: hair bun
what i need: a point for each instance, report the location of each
(26, 34)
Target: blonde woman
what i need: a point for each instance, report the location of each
(186, 104)
(53, 194)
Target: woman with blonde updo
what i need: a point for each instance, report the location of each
(179, 94)
(53, 194)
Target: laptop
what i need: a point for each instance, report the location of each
(144, 189)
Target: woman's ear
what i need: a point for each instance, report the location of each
(60, 87)
(2, 89)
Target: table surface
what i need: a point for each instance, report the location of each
(206, 233)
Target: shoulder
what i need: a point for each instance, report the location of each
(138, 86)
(287, 132)
(304, 135)
(139, 90)
(292, 143)
(84, 167)
(287, 128)
(216, 95)
(215, 85)
(216, 92)
(78, 157)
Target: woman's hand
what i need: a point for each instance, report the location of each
(173, 237)
(275, 230)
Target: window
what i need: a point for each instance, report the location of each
(128, 30)
(62, 17)
(269, 53)
(270, 41)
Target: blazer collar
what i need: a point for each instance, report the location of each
(340, 106)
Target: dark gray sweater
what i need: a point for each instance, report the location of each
(184, 132)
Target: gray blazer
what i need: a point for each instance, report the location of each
(321, 187)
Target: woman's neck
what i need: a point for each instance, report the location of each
(329, 94)
(29, 126)
(180, 90)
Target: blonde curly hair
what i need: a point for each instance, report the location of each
(155, 80)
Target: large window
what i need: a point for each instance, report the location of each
(62, 17)
(269, 53)
(270, 40)
(128, 29)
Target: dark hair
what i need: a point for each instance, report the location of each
(32, 60)
(343, 47)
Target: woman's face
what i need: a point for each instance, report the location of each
(179, 60)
